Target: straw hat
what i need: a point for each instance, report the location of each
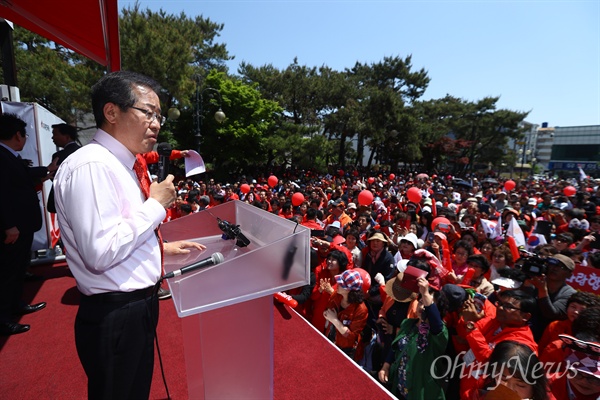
(394, 289)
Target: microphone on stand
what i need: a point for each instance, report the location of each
(164, 153)
(216, 258)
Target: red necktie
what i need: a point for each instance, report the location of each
(141, 171)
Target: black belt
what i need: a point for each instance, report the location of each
(121, 297)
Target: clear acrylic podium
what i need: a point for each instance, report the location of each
(227, 309)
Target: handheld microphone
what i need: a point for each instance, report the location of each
(216, 258)
(164, 153)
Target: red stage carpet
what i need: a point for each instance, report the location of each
(43, 363)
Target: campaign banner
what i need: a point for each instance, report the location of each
(586, 279)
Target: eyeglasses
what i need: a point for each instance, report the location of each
(580, 345)
(151, 115)
(506, 306)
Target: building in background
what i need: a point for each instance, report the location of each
(576, 147)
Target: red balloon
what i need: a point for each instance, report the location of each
(371, 180)
(392, 177)
(365, 198)
(245, 188)
(441, 220)
(414, 194)
(569, 191)
(509, 185)
(273, 181)
(297, 199)
(341, 172)
(366, 278)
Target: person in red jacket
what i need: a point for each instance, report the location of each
(347, 314)
(513, 312)
(578, 302)
(336, 263)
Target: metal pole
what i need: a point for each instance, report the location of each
(198, 114)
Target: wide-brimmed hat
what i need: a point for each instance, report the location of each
(378, 236)
(394, 289)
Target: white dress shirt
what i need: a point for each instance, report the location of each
(106, 224)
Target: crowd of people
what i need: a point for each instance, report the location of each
(439, 287)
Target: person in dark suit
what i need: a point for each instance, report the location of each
(65, 136)
(20, 218)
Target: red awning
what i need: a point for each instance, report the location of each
(89, 27)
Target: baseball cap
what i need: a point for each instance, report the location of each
(350, 280)
(339, 202)
(562, 259)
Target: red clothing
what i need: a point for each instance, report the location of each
(454, 319)
(232, 197)
(553, 356)
(552, 331)
(319, 300)
(152, 157)
(310, 224)
(558, 387)
(286, 215)
(354, 317)
(344, 220)
(482, 341)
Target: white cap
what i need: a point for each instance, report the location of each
(412, 238)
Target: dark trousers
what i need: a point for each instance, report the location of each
(14, 260)
(115, 344)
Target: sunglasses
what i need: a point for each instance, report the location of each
(580, 345)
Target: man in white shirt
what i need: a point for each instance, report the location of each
(108, 218)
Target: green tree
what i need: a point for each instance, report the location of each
(458, 132)
(243, 141)
(175, 50)
(53, 76)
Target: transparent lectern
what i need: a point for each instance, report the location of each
(227, 309)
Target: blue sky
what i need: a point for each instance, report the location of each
(538, 56)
